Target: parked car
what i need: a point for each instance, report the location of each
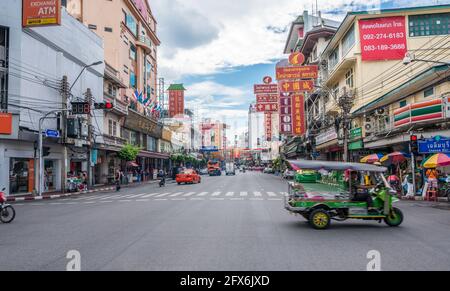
(268, 171)
(188, 176)
(203, 171)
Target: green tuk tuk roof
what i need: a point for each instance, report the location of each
(338, 166)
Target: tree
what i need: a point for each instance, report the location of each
(129, 152)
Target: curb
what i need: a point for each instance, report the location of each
(57, 196)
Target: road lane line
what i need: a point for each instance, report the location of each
(217, 199)
(108, 197)
(178, 199)
(142, 200)
(257, 199)
(237, 199)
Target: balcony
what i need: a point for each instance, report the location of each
(145, 43)
(114, 141)
(120, 107)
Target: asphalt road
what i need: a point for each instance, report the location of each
(225, 223)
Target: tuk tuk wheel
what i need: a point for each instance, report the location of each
(319, 219)
(395, 218)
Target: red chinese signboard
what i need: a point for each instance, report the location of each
(267, 98)
(298, 114)
(383, 38)
(41, 12)
(296, 86)
(6, 123)
(285, 103)
(267, 107)
(268, 125)
(267, 80)
(300, 72)
(266, 89)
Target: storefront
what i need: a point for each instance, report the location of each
(356, 144)
(327, 145)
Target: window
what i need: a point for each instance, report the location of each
(349, 78)
(348, 41)
(92, 26)
(108, 29)
(112, 90)
(335, 90)
(151, 144)
(134, 139)
(333, 59)
(112, 127)
(130, 22)
(429, 24)
(132, 80)
(132, 52)
(403, 103)
(428, 92)
(125, 69)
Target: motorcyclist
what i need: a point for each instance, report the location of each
(162, 177)
(358, 195)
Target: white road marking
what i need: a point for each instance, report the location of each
(244, 194)
(160, 199)
(142, 200)
(108, 197)
(271, 194)
(162, 195)
(230, 194)
(188, 194)
(237, 199)
(125, 201)
(217, 199)
(216, 194)
(198, 199)
(257, 194)
(275, 199)
(202, 194)
(149, 195)
(257, 199)
(176, 194)
(178, 199)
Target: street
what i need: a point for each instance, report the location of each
(234, 223)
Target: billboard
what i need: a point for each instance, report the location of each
(296, 59)
(267, 107)
(268, 125)
(268, 98)
(298, 114)
(266, 89)
(300, 72)
(296, 86)
(41, 13)
(383, 38)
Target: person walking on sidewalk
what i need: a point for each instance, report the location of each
(119, 177)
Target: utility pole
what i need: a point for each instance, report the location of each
(65, 92)
(88, 98)
(345, 102)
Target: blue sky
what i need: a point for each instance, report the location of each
(219, 49)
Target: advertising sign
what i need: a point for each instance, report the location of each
(300, 72)
(327, 136)
(266, 89)
(298, 114)
(267, 98)
(6, 121)
(356, 133)
(383, 38)
(296, 86)
(434, 145)
(297, 59)
(285, 114)
(41, 13)
(268, 125)
(267, 107)
(267, 80)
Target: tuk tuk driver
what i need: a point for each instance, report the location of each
(356, 193)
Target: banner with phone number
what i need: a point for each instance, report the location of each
(383, 38)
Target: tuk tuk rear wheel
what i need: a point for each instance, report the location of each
(319, 219)
(395, 218)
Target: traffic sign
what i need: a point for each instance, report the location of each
(52, 133)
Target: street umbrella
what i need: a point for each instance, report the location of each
(437, 160)
(370, 159)
(395, 158)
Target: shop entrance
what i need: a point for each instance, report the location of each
(21, 176)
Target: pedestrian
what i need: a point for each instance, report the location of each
(118, 179)
(432, 175)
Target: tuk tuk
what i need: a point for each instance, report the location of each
(320, 209)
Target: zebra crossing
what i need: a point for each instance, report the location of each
(172, 196)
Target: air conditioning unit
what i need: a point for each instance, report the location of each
(369, 125)
(382, 112)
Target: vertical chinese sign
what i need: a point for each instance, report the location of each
(267, 102)
(285, 114)
(41, 13)
(298, 114)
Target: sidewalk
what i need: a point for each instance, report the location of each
(56, 195)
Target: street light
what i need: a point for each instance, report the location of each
(84, 68)
(410, 58)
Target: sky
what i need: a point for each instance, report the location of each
(219, 49)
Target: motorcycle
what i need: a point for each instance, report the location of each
(7, 212)
(162, 182)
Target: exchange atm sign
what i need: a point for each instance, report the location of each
(383, 38)
(41, 13)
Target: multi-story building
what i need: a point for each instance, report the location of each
(33, 62)
(392, 95)
(176, 100)
(128, 29)
(256, 128)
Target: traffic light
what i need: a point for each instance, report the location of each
(104, 106)
(45, 151)
(414, 144)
